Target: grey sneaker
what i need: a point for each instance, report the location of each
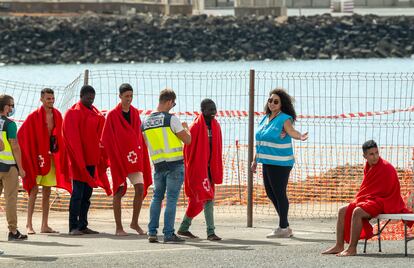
(173, 239)
(152, 238)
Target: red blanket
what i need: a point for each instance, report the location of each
(126, 149)
(379, 193)
(34, 141)
(196, 158)
(82, 128)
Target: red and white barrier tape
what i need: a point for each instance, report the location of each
(236, 113)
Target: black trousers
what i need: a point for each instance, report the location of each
(80, 203)
(275, 180)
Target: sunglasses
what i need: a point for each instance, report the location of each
(174, 103)
(11, 105)
(275, 101)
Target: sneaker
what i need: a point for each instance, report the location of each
(213, 237)
(17, 236)
(173, 239)
(280, 233)
(152, 238)
(75, 232)
(1, 252)
(187, 234)
(89, 231)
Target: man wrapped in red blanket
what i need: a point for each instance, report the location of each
(43, 157)
(203, 169)
(379, 193)
(128, 156)
(82, 131)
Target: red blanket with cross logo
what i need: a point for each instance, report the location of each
(197, 155)
(34, 141)
(82, 128)
(126, 148)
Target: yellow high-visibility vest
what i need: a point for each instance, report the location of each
(6, 156)
(163, 145)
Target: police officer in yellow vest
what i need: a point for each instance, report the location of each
(164, 135)
(10, 165)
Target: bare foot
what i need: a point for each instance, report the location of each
(347, 252)
(121, 233)
(333, 250)
(30, 230)
(48, 230)
(138, 229)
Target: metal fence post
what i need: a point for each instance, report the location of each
(250, 153)
(86, 77)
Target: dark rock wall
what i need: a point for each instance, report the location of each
(150, 38)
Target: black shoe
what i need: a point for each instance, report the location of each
(213, 237)
(89, 231)
(152, 238)
(75, 232)
(17, 236)
(173, 239)
(187, 234)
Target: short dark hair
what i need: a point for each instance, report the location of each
(124, 88)
(46, 90)
(369, 145)
(167, 95)
(4, 100)
(86, 89)
(204, 103)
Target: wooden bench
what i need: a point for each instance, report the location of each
(388, 218)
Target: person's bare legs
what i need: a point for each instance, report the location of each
(30, 210)
(119, 230)
(356, 226)
(339, 246)
(45, 210)
(138, 198)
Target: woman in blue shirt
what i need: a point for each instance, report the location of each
(275, 151)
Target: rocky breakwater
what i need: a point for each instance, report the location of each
(150, 38)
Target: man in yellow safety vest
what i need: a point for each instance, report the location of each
(10, 165)
(164, 135)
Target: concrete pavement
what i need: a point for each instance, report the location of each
(240, 247)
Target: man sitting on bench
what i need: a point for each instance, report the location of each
(379, 193)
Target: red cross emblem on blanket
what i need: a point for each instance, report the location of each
(206, 184)
(41, 161)
(132, 157)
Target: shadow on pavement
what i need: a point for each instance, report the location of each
(248, 242)
(316, 240)
(29, 258)
(44, 244)
(131, 236)
(219, 247)
(385, 255)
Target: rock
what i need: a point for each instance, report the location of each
(381, 52)
(154, 38)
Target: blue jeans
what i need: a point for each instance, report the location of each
(169, 180)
